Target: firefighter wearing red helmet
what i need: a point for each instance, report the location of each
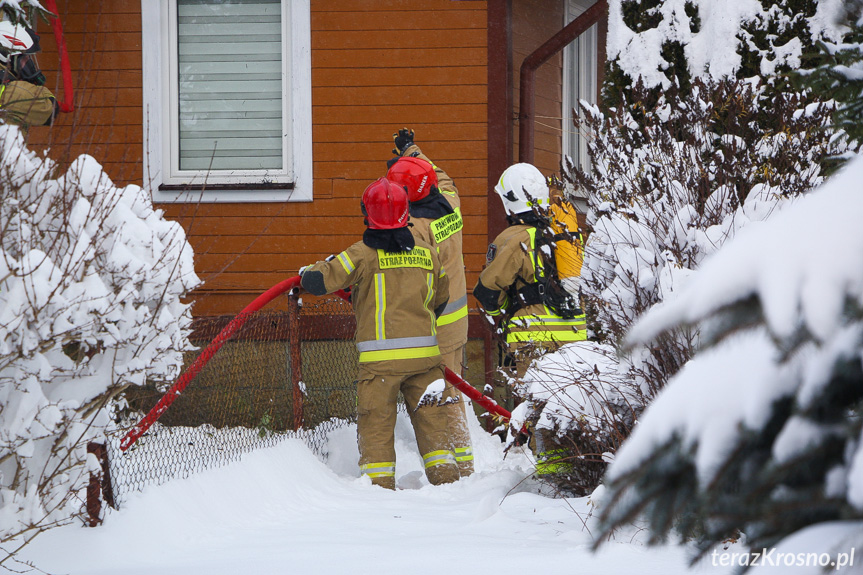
(435, 210)
(398, 288)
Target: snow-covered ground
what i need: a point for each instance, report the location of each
(283, 510)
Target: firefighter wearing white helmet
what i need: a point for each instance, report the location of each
(398, 288)
(515, 287)
(516, 276)
(23, 98)
(521, 188)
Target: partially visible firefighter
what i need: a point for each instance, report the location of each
(24, 100)
(521, 287)
(398, 289)
(435, 210)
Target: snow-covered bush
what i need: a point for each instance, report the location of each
(665, 192)
(668, 190)
(590, 419)
(702, 137)
(91, 278)
(761, 432)
(668, 44)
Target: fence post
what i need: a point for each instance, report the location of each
(99, 486)
(295, 346)
(490, 357)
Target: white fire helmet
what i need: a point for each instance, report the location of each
(522, 186)
(14, 39)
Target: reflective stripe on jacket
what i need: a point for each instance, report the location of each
(394, 296)
(514, 264)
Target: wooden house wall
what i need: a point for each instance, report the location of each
(533, 23)
(376, 67)
(104, 44)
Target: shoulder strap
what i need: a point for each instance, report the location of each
(538, 264)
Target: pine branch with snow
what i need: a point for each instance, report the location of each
(836, 71)
(760, 433)
(22, 11)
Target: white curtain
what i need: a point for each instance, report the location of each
(230, 84)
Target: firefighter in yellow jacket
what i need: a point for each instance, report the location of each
(511, 286)
(435, 210)
(398, 288)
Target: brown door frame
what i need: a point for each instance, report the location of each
(527, 80)
(500, 134)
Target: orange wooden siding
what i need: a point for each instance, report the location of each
(104, 45)
(376, 67)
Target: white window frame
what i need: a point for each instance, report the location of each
(294, 183)
(580, 59)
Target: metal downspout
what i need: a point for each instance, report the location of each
(527, 92)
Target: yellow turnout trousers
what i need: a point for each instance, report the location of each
(377, 396)
(459, 432)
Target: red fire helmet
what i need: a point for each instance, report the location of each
(417, 175)
(385, 205)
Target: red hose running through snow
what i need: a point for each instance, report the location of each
(66, 105)
(205, 356)
(132, 436)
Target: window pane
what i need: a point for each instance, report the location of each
(580, 61)
(230, 84)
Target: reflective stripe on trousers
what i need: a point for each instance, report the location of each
(554, 461)
(440, 457)
(464, 453)
(373, 470)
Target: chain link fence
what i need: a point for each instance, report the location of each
(282, 374)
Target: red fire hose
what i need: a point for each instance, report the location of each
(491, 405)
(205, 356)
(66, 105)
(132, 436)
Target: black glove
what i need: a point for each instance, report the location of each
(520, 437)
(404, 139)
